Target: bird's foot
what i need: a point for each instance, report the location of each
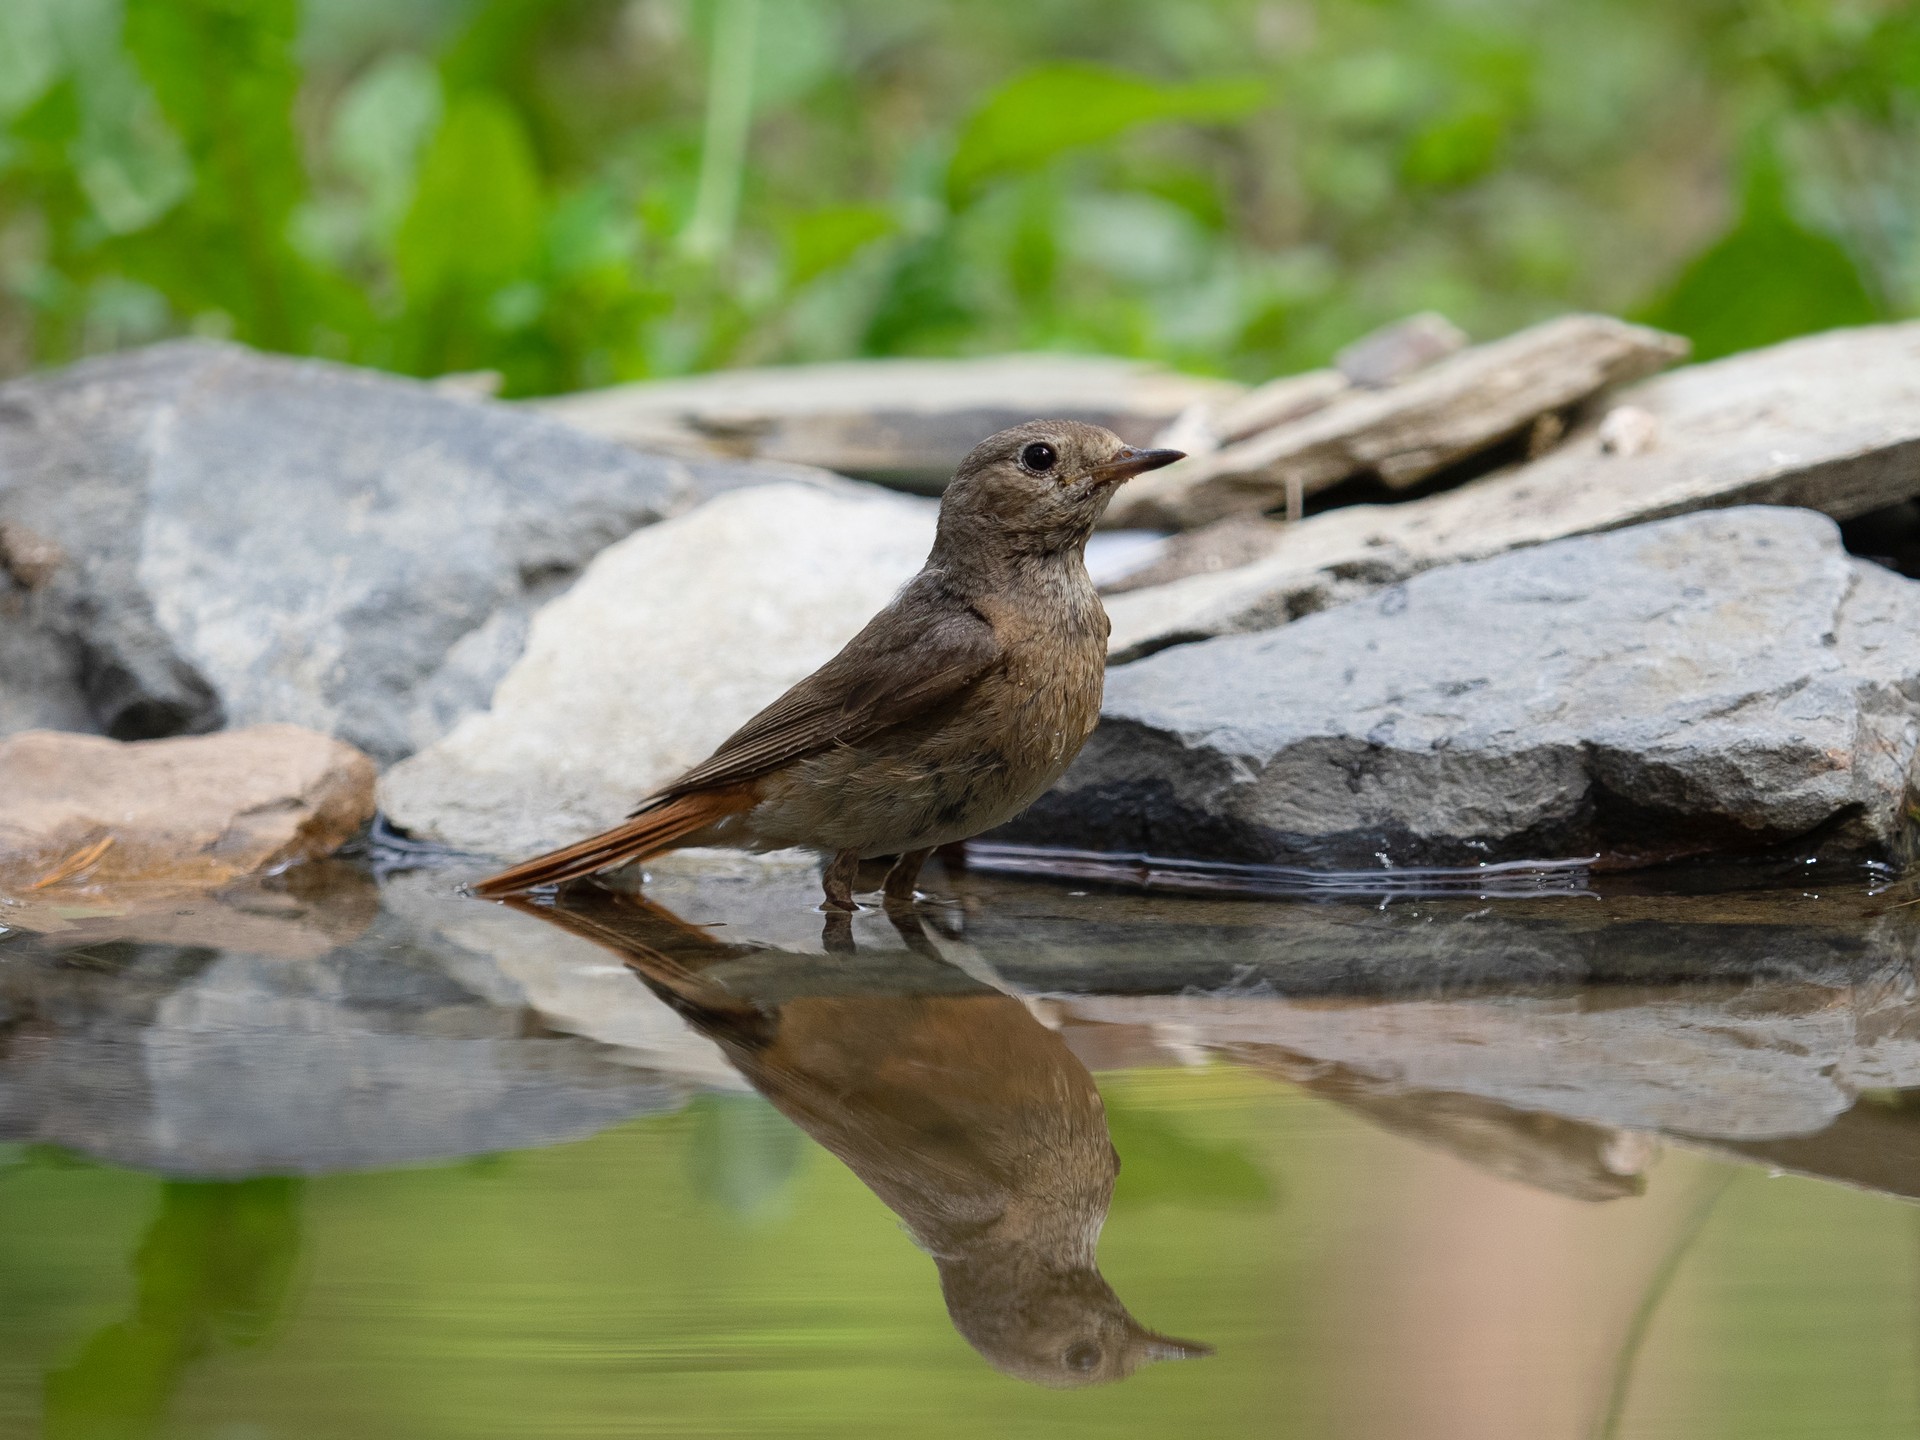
(899, 889)
(837, 881)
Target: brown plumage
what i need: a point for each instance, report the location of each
(972, 1122)
(951, 712)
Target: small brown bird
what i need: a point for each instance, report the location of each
(951, 712)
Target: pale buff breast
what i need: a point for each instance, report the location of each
(961, 771)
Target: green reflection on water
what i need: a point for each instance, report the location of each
(742, 1156)
(605, 1287)
(212, 1271)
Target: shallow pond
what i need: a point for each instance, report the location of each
(341, 1156)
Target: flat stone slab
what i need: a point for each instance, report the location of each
(905, 420)
(1722, 682)
(1401, 433)
(669, 641)
(1830, 422)
(197, 535)
(81, 810)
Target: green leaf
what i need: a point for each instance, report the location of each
(922, 307)
(475, 221)
(1767, 279)
(1456, 149)
(382, 124)
(1049, 111)
(797, 45)
(224, 76)
(129, 163)
(825, 239)
(29, 54)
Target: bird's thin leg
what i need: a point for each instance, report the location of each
(838, 880)
(904, 875)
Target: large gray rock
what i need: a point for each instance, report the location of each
(243, 538)
(670, 640)
(1831, 422)
(1720, 682)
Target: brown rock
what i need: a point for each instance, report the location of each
(80, 810)
(28, 557)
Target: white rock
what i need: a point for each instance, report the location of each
(667, 643)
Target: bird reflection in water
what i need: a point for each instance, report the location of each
(972, 1122)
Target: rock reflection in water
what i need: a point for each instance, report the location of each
(305, 1027)
(971, 1121)
(1565, 1157)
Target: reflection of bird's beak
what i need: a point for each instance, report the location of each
(1131, 462)
(1165, 1347)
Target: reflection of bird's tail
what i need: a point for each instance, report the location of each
(641, 933)
(654, 829)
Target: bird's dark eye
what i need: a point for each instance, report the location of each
(1039, 457)
(1083, 1356)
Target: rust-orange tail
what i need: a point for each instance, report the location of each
(657, 828)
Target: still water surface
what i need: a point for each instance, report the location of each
(358, 1159)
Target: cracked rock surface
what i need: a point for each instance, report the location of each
(1728, 681)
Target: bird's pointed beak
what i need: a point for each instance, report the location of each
(1165, 1347)
(1131, 462)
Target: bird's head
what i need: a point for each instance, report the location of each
(1061, 1329)
(1040, 487)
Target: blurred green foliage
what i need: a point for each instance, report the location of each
(575, 192)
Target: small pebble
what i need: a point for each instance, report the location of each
(1628, 430)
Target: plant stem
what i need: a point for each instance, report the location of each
(723, 148)
(1608, 1425)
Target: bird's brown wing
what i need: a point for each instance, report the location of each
(918, 653)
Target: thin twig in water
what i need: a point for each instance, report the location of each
(1608, 1425)
(74, 864)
